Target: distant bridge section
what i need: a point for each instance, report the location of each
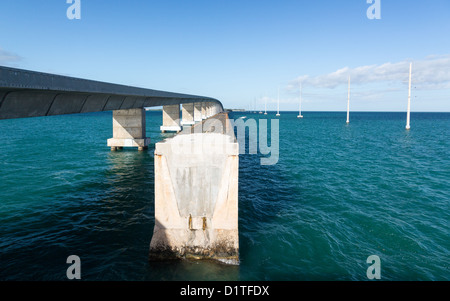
(26, 93)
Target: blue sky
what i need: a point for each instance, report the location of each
(241, 51)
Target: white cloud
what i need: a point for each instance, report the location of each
(8, 57)
(432, 72)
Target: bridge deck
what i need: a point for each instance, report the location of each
(26, 93)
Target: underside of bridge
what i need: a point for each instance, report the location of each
(26, 93)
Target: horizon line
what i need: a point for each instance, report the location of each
(313, 111)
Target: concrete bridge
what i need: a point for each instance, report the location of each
(196, 172)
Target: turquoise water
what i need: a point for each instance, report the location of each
(338, 194)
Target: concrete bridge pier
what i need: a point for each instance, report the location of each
(212, 109)
(206, 108)
(203, 110)
(197, 112)
(129, 130)
(215, 109)
(187, 114)
(196, 196)
(171, 119)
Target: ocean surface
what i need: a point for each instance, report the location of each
(339, 194)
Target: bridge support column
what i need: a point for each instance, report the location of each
(215, 109)
(208, 110)
(211, 109)
(129, 129)
(196, 198)
(204, 110)
(171, 119)
(197, 112)
(187, 114)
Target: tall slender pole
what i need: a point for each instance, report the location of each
(408, 115)
(348, 101)
(265, 107)
(260, 111)
(300, 106)
(278, 107)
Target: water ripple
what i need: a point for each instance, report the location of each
(338, 194)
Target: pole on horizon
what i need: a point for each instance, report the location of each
(265, 106)
(348, 101)
(259, 101)
(278, 107)
(300, 108)
(408, 115)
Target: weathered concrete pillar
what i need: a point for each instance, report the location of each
(129, 129)
(198, 112)
(211, 109)
(187, 114)
(216, 109)
(196, 198)
(171, 119)
(204, 110)
(208, 110)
